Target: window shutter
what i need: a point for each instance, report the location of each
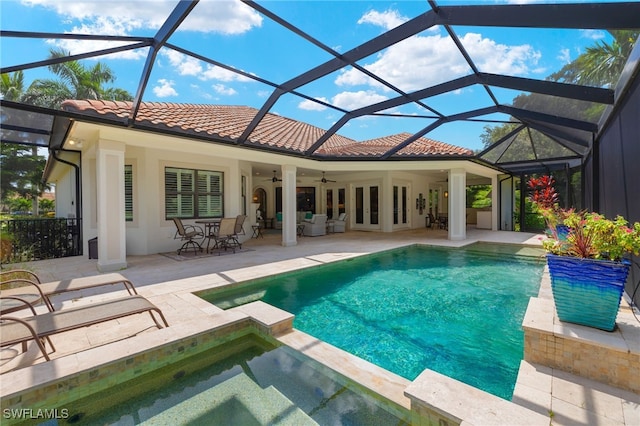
(210, 194)
(179, 193)
(128, 193)
(188, 192)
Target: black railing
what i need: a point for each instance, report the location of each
(25, 240)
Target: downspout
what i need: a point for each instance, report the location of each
(54, 154)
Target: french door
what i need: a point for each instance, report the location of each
(366, 206)
(400, 205)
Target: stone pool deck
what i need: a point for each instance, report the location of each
(546, 395)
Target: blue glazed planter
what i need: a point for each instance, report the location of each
(587, 291)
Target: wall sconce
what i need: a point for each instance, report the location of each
(77, 143)
(446, 194)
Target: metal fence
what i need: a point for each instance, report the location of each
(25, 240)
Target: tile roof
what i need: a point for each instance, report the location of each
(376, 147)
(226, 122)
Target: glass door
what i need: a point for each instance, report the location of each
(367, 207)
(400, 205)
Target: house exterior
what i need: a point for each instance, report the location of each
(185, 160)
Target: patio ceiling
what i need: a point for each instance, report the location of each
(539, 138)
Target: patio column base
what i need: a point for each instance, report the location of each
(111, 267)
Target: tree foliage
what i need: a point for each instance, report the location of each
(22, 166)
(75, 81)
(600, 66)
(21, 172)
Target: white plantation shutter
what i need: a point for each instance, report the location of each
(128, 193)
(193, 193)
(209, 194)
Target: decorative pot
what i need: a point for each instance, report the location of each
(587, 291)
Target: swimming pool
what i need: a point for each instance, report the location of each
(253, 383)
(455, 311)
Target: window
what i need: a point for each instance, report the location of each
(128, 193)
(305, 199)
(192, 194)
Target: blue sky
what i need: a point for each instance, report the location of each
(234, 34)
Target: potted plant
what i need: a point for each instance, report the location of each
(590, 266)
(544, 197)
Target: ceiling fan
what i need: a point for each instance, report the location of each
(274, 179)
(324, 179)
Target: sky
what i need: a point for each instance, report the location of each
(234, 34)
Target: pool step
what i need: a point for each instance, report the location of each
(238, 400)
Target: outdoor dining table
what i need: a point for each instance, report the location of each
(210, 227)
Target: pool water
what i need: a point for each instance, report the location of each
(256, 384)
(456, 311)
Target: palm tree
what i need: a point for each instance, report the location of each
(21, 173)
(76, 81)
(601, 64)
(12, 86)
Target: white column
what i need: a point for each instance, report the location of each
(289, 235)
(386, 203)
(232, 203)
(112, 237)
(495, 216)
(457, 204)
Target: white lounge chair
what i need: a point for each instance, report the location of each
(315, 226)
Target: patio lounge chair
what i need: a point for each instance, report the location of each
(40, 327)
(188, 234)
(315, 226)
(26, 285)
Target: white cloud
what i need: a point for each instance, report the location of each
(593, 34)
(224, 90)
(217, 73)
(124, 18)
(423, 61)
(564, 56)
(498, 58)
(165, 89)
(185, 65)
(226, 17)
(313, 106)
(102, 25)
(388, 19)
(355, 100)
(190, 66)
